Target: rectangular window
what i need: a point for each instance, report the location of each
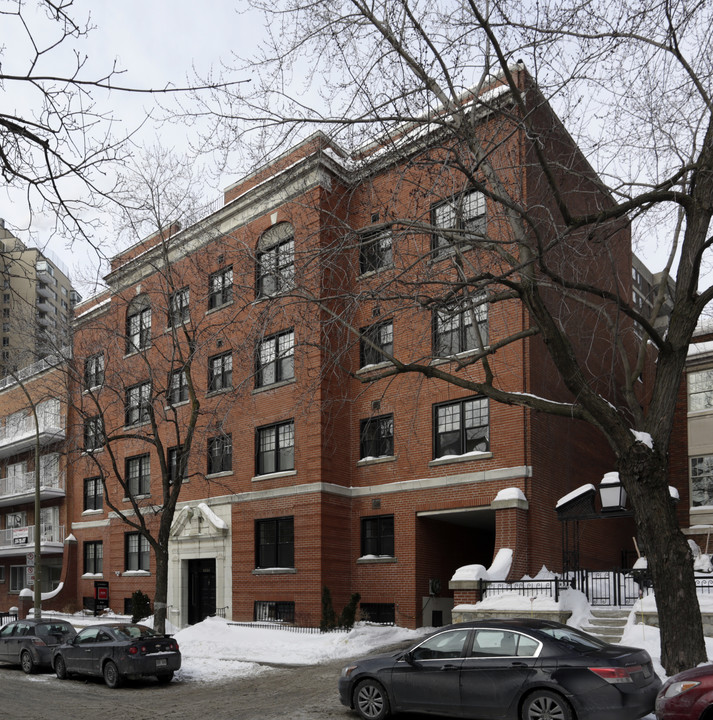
(94, 371)
(268, 611)
(702, 481)
(377, 437)
(276, 448)
(462, 215)
(138, 475)
(375, 341)
(93, 558)
(220, 454)
(460, 327)
(276, 359)
(220, 288)
(178, 307)
(137, 408)
(276, 269)
(93, 434)
(137, 552)
(173, 459)
(375, 250)
(138, 330)
(93, 494)
(377, 536)
(380, 613)
(275, 543)
(700, 390)
(17, 578)
(177, 387)
(220, 372)
(461, 427)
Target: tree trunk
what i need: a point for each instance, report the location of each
(645, 477)
(161, 591)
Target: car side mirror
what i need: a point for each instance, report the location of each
(408, 657)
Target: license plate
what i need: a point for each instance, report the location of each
(161, 662)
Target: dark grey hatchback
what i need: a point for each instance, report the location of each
(515, 669)
(30, 643)
(116, 651)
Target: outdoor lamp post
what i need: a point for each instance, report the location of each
(612, 493)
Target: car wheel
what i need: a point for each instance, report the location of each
(60, 667)
(165, 678)
(370, 700)
(546, 705)
(26, 662)
(112, 678)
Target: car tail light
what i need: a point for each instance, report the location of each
(614, 675)
(38, 641)
(133, 650)
(678, 688)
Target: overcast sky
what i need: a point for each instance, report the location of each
(156, 42)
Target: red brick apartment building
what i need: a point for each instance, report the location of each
(301, 474)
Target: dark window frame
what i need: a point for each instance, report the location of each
(275, 542)
(220, 288)
(462, 411)
(137, 404)
(220, 372)
(179, 307)
(377, 535)
(379, 334)
(376, 436)
(279, 456)
(140, 557)
(220, 453)
(177, 387)
(457, 210)
(376, 250)
(93, 493)
(137, 475)
(93, 557)
(138, 329)
(453, 330)
(278, 262)
(94, 371)
(275, 359)
(94, 436)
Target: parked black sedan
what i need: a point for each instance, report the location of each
(518, 669)
(30, 642)
(116, 651)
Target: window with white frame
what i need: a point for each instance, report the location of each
(702, 481)
(700, 390)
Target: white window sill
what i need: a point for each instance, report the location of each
(376, 560)
(448, 459)
(376, 460)
(275, 571)
(92, 576)
(274, 386)
(136, 573)
(273, 476)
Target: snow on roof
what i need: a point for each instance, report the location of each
(581, 490)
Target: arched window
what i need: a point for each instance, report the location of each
(275, 260)
(138, 324)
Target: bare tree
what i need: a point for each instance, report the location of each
(634, 87)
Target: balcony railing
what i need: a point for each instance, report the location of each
(22, 539)
(19, 488)
(18, 434)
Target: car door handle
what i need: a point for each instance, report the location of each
(518, 664)
(449, 667)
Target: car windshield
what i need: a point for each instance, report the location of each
(134, 631)
(574, 638)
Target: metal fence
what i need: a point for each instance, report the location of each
(287, 627)
(6, 617)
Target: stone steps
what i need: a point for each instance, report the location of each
(607, 624)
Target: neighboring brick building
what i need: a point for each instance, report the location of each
(302, 474)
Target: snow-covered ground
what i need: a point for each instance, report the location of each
(216, 650)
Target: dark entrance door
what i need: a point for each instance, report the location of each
(201, 589)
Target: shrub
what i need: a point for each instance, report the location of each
(140, 606)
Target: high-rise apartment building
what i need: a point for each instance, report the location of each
(37, 303)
